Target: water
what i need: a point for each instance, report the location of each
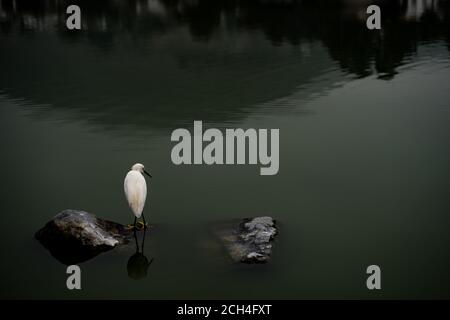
(364, 135)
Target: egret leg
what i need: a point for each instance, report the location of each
(143, 218)
(135, 238)
(135, 223)
(143, 241)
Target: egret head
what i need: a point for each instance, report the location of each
(140, 167)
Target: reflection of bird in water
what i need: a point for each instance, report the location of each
(138, 263)
(136, 191)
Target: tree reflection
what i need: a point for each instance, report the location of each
(340, 25)
(165, 63)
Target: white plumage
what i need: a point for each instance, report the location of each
(136, 189)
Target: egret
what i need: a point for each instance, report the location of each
(136, 191)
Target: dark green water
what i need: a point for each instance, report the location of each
(364, 144)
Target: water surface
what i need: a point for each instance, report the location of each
(364, 135)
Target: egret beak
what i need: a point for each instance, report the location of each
(147, 173)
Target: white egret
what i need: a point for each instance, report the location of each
(136, 191)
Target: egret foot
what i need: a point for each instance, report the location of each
(141, 225)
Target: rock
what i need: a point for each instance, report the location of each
(75, 236)
(248, 240)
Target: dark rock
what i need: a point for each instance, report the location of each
(250, 240)
(75, 236)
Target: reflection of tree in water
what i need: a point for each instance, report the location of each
(340, 28)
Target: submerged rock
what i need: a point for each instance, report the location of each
(75, 236)
(250, 240)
